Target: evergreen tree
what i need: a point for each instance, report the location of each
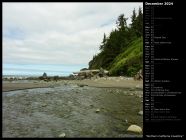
(133, 19)
(133, 26)
(139, 23)
(121, 22)
(103, 44)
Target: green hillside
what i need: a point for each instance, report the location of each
(121, 51)
(130, 61)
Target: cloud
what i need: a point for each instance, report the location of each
(57, 33)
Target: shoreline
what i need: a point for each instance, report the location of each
(111, 82)
(21, 86)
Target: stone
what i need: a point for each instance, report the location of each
(131, 94)
(126, 121)
(62, 135)
(140, 113)
(81, 85)
(135, 129)
(97, 110)
(44, 105)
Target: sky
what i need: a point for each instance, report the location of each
(57, 34)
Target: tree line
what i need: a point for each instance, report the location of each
(118, 40)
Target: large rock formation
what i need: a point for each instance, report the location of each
(139, 75)
(84, 74)
(44, 75)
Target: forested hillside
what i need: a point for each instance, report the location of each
(122, 50)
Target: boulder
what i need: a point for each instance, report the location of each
(62, 135)
(140, 113)
(44, 105)
(135, 129)
(97, 110)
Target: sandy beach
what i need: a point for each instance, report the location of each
(103, 107)
(112, 82)
(19, 86)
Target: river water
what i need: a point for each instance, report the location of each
(71, 110)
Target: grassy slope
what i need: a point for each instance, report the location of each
(129, 61)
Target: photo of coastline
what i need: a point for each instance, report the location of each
(72, 70)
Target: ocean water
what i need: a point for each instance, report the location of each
(38, 70)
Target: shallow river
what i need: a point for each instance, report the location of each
(72, 111)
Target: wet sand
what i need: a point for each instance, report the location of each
(70, 108)
(19, 86)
